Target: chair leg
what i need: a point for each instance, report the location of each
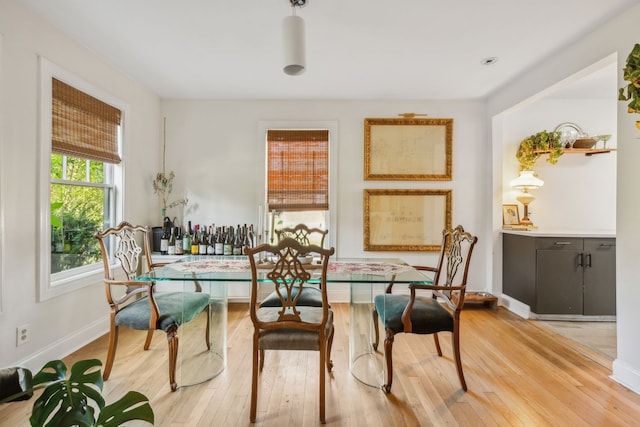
(172, 340)
(147, 342)
(261, 359)
(329, 345)
(388, 351)
(322, 384)
(455, 343)
(254, 379)
(437, 341)
(111, 352)
(207, 336)
(374, 313)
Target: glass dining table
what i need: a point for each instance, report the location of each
(366, 277)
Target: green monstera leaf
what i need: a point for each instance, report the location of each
(133, 406)
(73, 401)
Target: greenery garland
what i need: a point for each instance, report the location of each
(532, 147)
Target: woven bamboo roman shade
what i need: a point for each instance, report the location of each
(83, 126)
(298, 169)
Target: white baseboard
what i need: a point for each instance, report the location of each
(515, 306)
(67, 345)
(626, 375)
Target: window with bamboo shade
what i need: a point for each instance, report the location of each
(298, 169)
(83, 126)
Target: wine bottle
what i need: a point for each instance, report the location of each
(249, 237)
(179, 241)
(186, 240)
(211, 241)
(219, 242)
(164, 241)
(194, 241)
(171, 248)
(237, 242)
(202, 241)
(228, 242)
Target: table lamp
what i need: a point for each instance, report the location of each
(525, 182)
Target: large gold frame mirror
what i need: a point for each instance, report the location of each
(408, 149)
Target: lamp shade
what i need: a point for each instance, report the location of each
(526, 181)
(294, 45)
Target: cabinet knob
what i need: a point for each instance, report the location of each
(561, 243)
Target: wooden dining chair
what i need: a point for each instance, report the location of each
(303, 234)
(439, 312)
(310, 295)
(136, 304)
(289, 325)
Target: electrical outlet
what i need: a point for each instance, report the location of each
(22, 334)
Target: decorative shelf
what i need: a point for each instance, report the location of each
(585, 151)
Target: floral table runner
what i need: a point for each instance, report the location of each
(210, 266)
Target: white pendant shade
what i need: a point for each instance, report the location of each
(294, 45)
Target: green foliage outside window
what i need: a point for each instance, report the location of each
(77, 211)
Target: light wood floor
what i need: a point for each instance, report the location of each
(518, 373)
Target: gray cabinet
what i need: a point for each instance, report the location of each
(558, 275)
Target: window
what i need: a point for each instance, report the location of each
(298, 177)
(81, 141)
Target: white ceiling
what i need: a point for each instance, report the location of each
(356, 49)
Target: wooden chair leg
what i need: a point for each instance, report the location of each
(322, 384)
(329, 345)
(147, 342)
(455, 343)
(172, 340)
(388, 352)
(437, 341)
(254, 380)
(377, 332)
(111, 352)
(261, 359)
(207, 336)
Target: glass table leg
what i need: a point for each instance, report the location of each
(196, 363)
(365, 364)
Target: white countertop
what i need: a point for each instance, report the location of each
(541, 232)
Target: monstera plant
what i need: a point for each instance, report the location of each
(631, 73)
(77, 400)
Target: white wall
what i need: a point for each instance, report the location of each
(216, 151)
(62, 324)
(579, 192)
(617, 36)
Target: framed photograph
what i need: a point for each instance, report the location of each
(510, 215)
(408, 149)
(405, 220)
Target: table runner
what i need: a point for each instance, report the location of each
(360, 267)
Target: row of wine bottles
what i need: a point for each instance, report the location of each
(206, 240)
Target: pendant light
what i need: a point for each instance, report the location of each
(294, 41)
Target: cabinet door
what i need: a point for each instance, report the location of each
(519, 268)
(600, 277)
(559, 281)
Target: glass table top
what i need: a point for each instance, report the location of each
(237, 269)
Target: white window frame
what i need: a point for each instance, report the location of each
(332, 127)
(2, 204)
(53, 285)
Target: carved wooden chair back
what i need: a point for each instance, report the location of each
(288, 325)
(304, 234)
(135, 303)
